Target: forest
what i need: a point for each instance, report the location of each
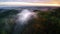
(48, 22)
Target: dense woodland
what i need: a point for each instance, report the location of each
(48, 22)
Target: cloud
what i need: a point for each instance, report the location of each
(27, 4)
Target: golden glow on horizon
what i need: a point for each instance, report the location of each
(28, 4)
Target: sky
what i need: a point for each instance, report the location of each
(29, 2)
(25, 0)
